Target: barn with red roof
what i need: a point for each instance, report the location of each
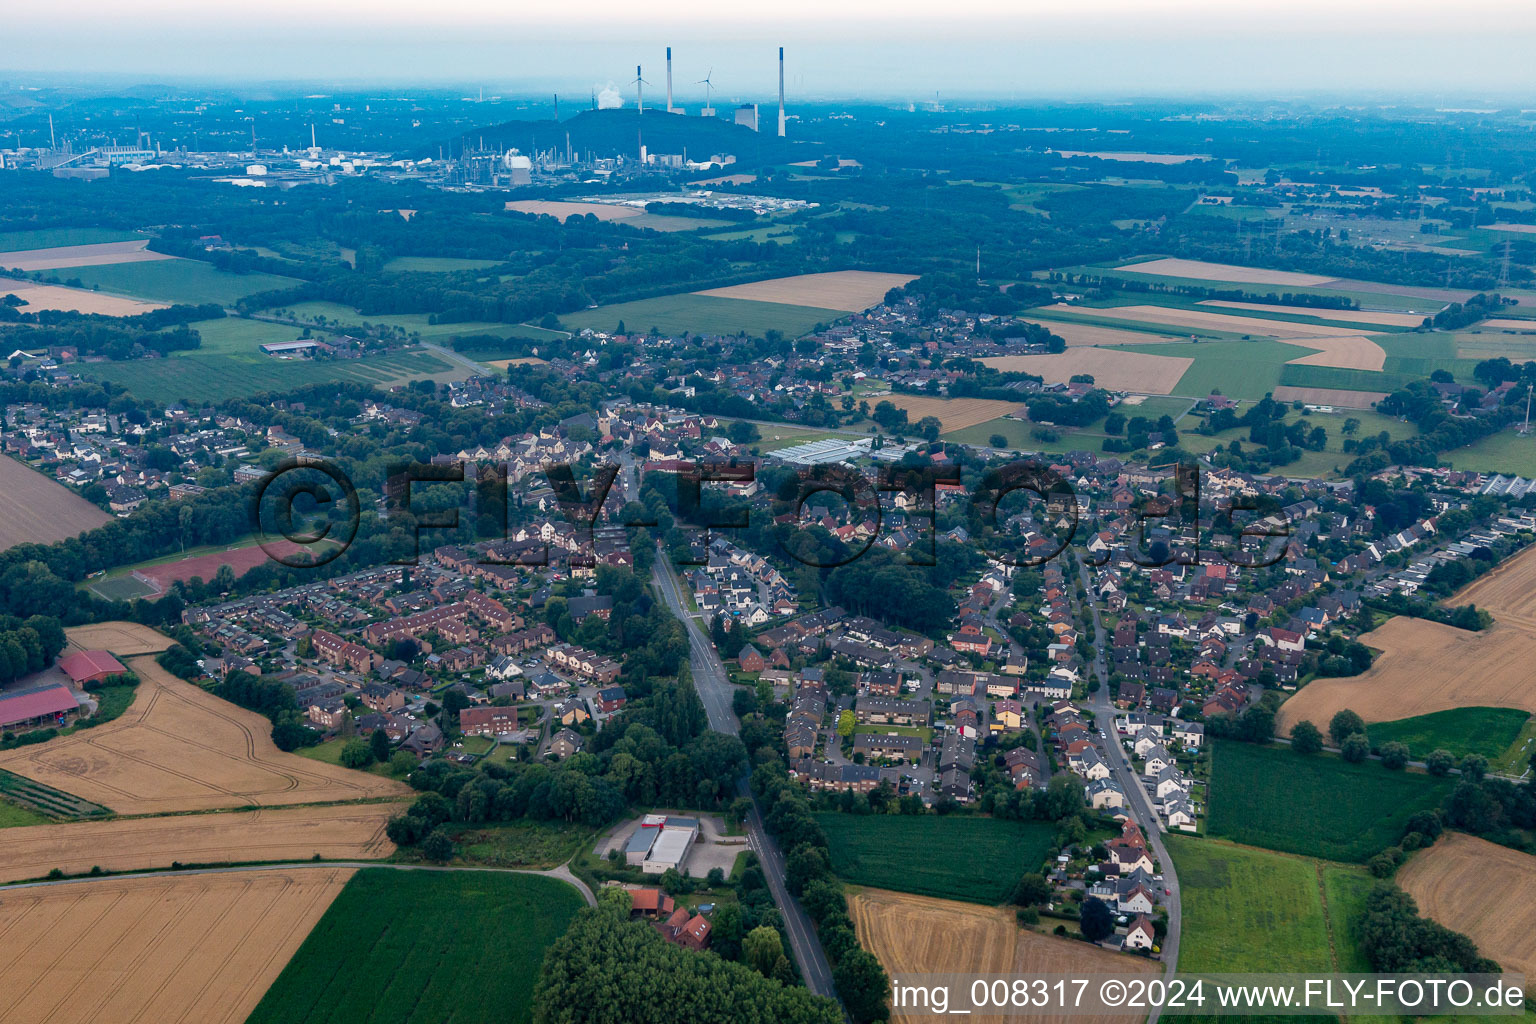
(90, 666)
(49, 704)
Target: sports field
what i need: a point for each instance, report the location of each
(1253, 910)
(1482, 890)
(337, 832)
(701, 314)
(955, 858)
(845, 290)
(40, 510)
(1488, 732)
(1116, 369)
(921, 935)
(197, 949)
(152, 579)
(430, 946)
(177, 281)
(179, 748)
(1315, 805)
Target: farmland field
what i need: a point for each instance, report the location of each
(919, 935)
(345, 832)
(1504, 452)
(1253, 910)
(215, 378)
(121, 638)
(1354, 316)
(99, 253)
(195, 949)
(1315, 805)
(702, 314)
(845, 290)
(954, 858)
(176, 281)
(1336, 397)
(1485, 731)
(395, 932)
(39, 510)
(179, 748)
(1297, 374)
(1223, 272)
(953, 413)
(48, 238)
(1119, 369)
(39, 297)
(435, 264)
(1483, 891)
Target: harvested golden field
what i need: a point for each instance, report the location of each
(564, 210)
(38, 509)
(336, 832)
(1230, 322)
(121, 638)
(1423, 666)
(1078, 335)
(1505, 324)
(1329, 396)
(1483, 890)
(846, 290)
(181, 749)
(200, 949)
(1119, 371)
(953, 413)
(502, 364)
(1202, 271)
(1524, 229)
(1354, 316)
(52, 296)
(95, 255)
(1352, 353)
(922, 935)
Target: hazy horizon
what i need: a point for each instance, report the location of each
(1102, 48)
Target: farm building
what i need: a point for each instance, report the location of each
(660, 843)
(290, 348)
(90, 666)
(50, 704)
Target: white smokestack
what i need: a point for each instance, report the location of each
(669, 79)
(781, 92)
(639, 91)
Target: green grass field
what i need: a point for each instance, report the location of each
(1315, 805)
(524, 844)
(707, 314)
(13, 815)
(435, 265)
(1504, 452)
(1368, 299)
(778, 234)
(1485, 731)
(184, 281)
(418, 947)
(1252, 910)
(49, 238)
(330, 753)
(215, 378)
(950, 857)
(334, 314)
(1241, 370)
(1342, 378)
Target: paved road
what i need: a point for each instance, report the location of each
(562, 872)
(714, 687)
(1141, 805)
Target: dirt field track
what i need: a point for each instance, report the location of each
(200, 949)
(847, 290)
(181, 749)
(121, 638)
(36, 509)
(1119, 371)
(1353, 316)
(1329, 396)
(1482, 890)
(564, 210)
(1202, 271)
(918, 934)
(1423, 666)
(337, 832)
(80, 300)
(953, 413)
(94, 255)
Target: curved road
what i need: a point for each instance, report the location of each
(562, 873)
(714, 688)
(1141, 806)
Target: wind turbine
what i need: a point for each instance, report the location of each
(708, 110)
(640, 83)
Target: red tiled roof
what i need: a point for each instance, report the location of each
(85, 664)
(36, 702)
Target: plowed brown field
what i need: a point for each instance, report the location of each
(1427, 667)
(848, 290)
(200, 949)
(1482, 890)
(179, 748)
(1137, 372)
(37, 509)
(921, 935)
(337, 832)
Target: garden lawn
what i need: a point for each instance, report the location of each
(953, 857)
(1317, 805)
(423, 947)
(1462, 731)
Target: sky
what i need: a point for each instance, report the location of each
(834, 48)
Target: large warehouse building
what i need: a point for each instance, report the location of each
(661, 843)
